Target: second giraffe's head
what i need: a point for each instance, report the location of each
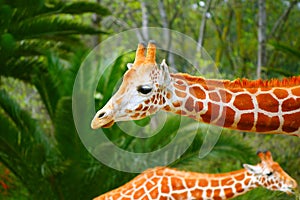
(270, 175)
(143, 92)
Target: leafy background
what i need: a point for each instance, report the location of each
(42, 44)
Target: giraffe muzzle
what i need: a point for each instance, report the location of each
(102, 120)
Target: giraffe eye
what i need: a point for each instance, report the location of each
(144, 89)
(269, 174)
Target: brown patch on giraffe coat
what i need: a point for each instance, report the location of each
(246, 122)
(246, 182)
(179, 82)
(154, 193)
(239, 177)
(227, 181)
(189, 104)
(152, 98)
(167, 108)
(209, 193)
(280, 93)
(157, 95)
(176, 104)
(190, 183)
(128, 111)
(296, 91)
(267, 102)
(116, 196)
(214, 183)
(214, 96)
(180, 94)
(216, 195)
(265, 123)
(138, 193)
(182, 195)
(243, 102)
(225, 96)
(165, 186)
(168, 95)
(147, 101)
(177, 183)
(128, 190)
(252, 90)
(197, 193)
(274, 187)
(227, 117)
(197, 92)
(291, 122)
(203, 183)
(239, 187)
(143, 115)
(135, 115)
(228, 192)
(140, 181)
(291, 104)
(212, 112)
(180, 87)
(150, 184)
(139, 107)
(180, 112)
(198, 106)
(145, 108)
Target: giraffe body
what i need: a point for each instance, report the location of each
(167, 183)
(254, 106)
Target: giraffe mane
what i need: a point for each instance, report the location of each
(197, 174)
(240, 83)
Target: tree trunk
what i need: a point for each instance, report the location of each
(203, 26)
(145, 20)
(166, 33)
(262, 54)
(96, 22)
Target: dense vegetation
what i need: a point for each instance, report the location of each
(42, 45)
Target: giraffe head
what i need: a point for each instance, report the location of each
(270, 175)
(142, 92)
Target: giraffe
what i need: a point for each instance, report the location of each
(252, 106)
(168, 183)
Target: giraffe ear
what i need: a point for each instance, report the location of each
(253, 169)
(129, 65)
(166, 77)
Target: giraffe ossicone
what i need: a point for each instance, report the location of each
(168, 183)
(253, 106)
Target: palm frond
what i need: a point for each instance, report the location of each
(84, 7)
(53, 25)
(286, 49)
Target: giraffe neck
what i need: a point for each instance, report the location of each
(254, 106)
(166, 183)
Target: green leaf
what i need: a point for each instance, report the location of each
(83, 7)
(286, 49)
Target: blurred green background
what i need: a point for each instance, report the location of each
(43, 43)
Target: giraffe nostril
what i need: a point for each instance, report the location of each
(101, 115)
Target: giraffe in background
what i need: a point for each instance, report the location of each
(253, 106)
(167, 183)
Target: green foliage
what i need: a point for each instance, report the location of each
(40, 150)
(41, 51)
(28, 32)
